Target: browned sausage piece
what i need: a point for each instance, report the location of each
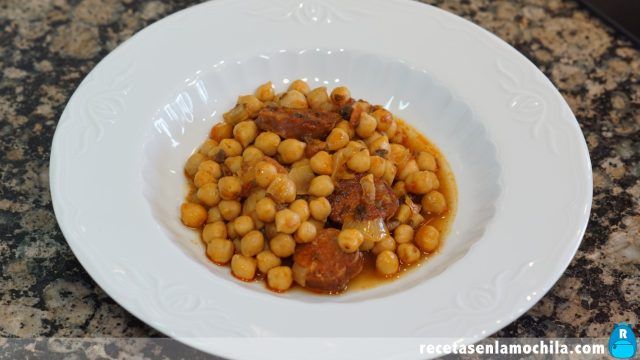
(321, 264)
(348, 201)
(298, 124)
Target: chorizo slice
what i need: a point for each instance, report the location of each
(297, 124)
(348, 201)
(322, 266)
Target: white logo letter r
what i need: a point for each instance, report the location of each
(623, 333)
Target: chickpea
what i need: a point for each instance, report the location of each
(265, 92)
(268, 142)
(426, 161)
(207, 146)
(355, 146)
(237, 114)
(346, 126)
(267, 260)
(291, 150)
(377, 166)
(384, 118)
(245, 132)
(403, 234)
(409, 167)
(389, 173)
(243, 224)
(221, 131)
(231, 147)
(217, 154)
(301, 207)
(212, 167)
(266, 209)
(305, 233)
(322, 163)
(258, 224)
(229, 187)
(249, 204)
(300, 86)
(270, 230)
(252, 243)
(214, 215)
(337, 139)
(282, 189)
(192, 165)
(209, 194)
(367, 244)
(434, 202)
(350, 240)
(427, 238)
(229, 209)
(387, 263)
(320, 208)
(282, 245)
(422, 182)
(294, 99)
(366, 126)
(399, 137)
(400, 189)
(392, 131)
(380, 146)
(280, 278)
(321, 186)
(375, 136)
(403, 213)
(220, 250)
(252, 104)
(234, 163)
(340, 95)
(399, 154)
(360, 162)
(318, 98)
(192, 197)
(252, 155)
(265, 173)
(359, 107)
(387, 243)
(287, 221)
(408, 253)
(202, 178)
(319, 225)
(243, 267)
(300, 163)
(215, 230)
(193, 215)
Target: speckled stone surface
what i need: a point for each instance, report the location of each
(48, 46)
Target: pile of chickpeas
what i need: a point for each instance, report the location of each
(257, 196)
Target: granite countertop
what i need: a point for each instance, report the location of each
(47, 47)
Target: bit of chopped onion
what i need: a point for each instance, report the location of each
(374, 230)
(338, 164)
(301, 176)
(401, 158)
(368, 189)
(415, 208)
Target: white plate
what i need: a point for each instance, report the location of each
(520, 161)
